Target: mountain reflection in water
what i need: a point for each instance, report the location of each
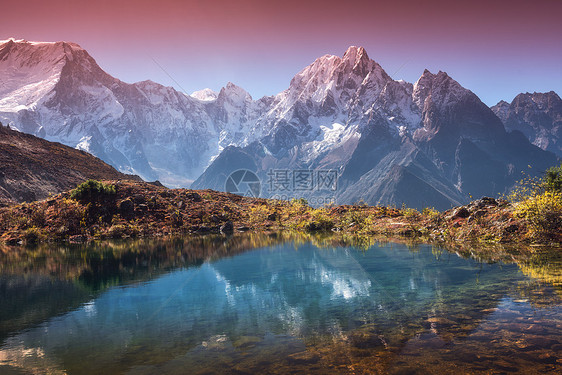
(292, 304)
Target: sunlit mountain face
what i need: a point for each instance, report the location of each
(497, 49)
(385, 140)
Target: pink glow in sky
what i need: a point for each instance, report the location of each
(495, 48)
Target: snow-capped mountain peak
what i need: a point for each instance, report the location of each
(205, 95)
(355, 54)
(30, 70)
(338, 112)
(356, 60)
(234, 93)
(439, 88)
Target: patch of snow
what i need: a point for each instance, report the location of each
(84, 144)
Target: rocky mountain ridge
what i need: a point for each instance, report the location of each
(387, 140)
(537, 115)
(433, 143)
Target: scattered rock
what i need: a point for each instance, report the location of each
(303, 358)
(541, 341)
(193, 196)
(127, 206)
(503, 202)
(486, 201)
(440, 321)
(227, 227)
(476, 215)
(202, 229)
(365, 340)
(246, 341)
(462, 317)
(479, 213)
(511, 228)
(77, 239)
(548, 358)
(461, 212)
(167, 194)
(12, 240)
(139, 198)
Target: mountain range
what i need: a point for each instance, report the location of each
(431, 143)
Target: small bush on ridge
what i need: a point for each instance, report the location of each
(92, 190)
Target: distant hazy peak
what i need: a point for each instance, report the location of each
(234, 93)
(542, 100)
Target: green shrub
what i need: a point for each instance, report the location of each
(409, 212)
(117, 231)
(553, 179)
(543, 213)
(319, 221)
(430, 212)
(32, 236)
(539, 202)
(299, 202)
(358, 217)
(93, 191)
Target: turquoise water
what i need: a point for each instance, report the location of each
(290, 307)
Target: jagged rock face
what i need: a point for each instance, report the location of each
(538, 116)
(389, 141)
(349, 91)
(433, 143)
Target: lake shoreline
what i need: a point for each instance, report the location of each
(143, 210)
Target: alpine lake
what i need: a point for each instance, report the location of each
(279, 304)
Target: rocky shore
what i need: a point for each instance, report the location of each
(137, 209)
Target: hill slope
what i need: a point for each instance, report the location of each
(31, 168)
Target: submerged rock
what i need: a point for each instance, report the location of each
(246, 341)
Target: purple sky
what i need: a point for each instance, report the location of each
(495, 48)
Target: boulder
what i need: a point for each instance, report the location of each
(461, 212)
(227, 228)
(126, 207)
